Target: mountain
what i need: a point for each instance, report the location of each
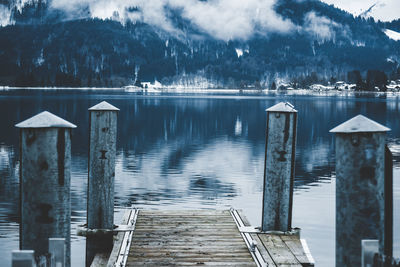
(301, 42)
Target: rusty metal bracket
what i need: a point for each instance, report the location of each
(83, 230)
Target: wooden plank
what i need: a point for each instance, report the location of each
(100, 260)
(195, 223)
(162, 225)
(118, 241)
(187, 238)
(294, 244)
(176, 260)
(195, 249)
(278, 250)
(198, 250)
(198, 235)
(179, 226)
(189, 255)
(264, 252)
(183, 233)
(185, 212)
(193, 214)
(189, 215)
(183, 221)
(196, 243)
(194, 263)
(297, 249)
(187, 229)
(211, 238)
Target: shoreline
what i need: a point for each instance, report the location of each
(170, 90)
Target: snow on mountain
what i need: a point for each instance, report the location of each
(384, 10)
(5, 15)
(239, 52)
(392, 34)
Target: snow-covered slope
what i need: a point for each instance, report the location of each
(384, 10)
(392, 34)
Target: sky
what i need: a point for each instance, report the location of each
(384, 10)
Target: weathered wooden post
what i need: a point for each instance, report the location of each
(280, 148)
(45, 159)
(23, 258)
(360, 184)
(102, 150)
(388, 242)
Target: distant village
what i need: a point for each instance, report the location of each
(392, 86)
(373, 81)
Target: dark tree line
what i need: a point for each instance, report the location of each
(375, 79)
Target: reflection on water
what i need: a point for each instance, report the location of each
(196, 152)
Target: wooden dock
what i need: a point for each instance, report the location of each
(200, 237)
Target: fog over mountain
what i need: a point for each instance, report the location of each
(223, 19)
(216, 43)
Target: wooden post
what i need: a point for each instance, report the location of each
(23, 258)
(280, 148)
(102, 150)
(57, 251)
(45, 157)
(360, 185)
(388, 246)
(368, 250)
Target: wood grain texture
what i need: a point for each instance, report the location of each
(99, 260)
(210, 238)
(278, 250)
(185, 238)
(263, 250)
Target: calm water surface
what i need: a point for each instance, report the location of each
(197, 152)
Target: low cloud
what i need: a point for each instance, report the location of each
(5, 15)
(222, 19)
(322, 28)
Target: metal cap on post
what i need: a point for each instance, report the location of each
(104, 106)
(280, 148)
(360, 172)
(359, 124)
(45, 119)
(45, 141)
(101, 175)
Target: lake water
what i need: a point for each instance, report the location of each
(197, 152)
